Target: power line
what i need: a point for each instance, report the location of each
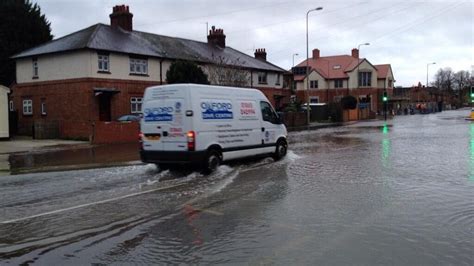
(216, 14)
(295, 19)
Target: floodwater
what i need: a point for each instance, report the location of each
(399, 193)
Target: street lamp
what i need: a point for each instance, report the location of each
(307, 64)
(358, 63)
(294, 59)
(427, 65)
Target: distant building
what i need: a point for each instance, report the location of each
(4, 110)
(99, 73)
(333, 77)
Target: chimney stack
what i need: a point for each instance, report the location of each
(260, 54)
(121, 17)
(216, 37)
(355, 53)
(316, 53)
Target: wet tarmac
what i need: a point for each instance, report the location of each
(367, 194)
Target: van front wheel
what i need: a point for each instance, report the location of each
(213, 160)
(281, 149)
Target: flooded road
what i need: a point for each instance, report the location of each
(371, 193)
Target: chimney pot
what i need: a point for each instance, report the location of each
(216, 37)
(355, 53)
(121, 17)
(316, 53)
(260, 54)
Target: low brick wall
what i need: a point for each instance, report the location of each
(75, 130)
(292, 119)
(115, 132)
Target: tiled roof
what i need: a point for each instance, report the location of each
(332, 67)
(103, 37)
(336, 67)
(382, 71)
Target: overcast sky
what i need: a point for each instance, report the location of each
(405, 34)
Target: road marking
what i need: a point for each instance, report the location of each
(90, 204)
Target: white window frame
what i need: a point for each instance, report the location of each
(43, 108)
(27, 107)
(338, 80)
(262, 77)
(103, 62)
(136, 104)
(11, 106)
(35, 67)
(277, 79)
(365, 78)
(138, 66)
(313, 84)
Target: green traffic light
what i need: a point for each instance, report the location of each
(472, 95)
(385, 98)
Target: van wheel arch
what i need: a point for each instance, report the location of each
(213, 159)
(280, 149)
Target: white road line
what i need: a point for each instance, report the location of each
(89, 204)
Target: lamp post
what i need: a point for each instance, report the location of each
(307, 64)
(427, 67)
(294, 59)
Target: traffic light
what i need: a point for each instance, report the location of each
(472, 94)
(385, 97)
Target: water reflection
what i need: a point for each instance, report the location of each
(471, 150)
(386, 146)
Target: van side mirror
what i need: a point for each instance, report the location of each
(279, 118)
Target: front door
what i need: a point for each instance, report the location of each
(104, 107)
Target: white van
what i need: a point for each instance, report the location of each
(206, 125)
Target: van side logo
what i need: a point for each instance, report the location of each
(158, 114)
(216, 109)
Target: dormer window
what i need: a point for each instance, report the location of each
(336, 67)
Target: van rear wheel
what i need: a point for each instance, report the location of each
(213, 160)
(281, 149)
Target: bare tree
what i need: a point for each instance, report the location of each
(227, 72)
(462, 79)
(444, 79)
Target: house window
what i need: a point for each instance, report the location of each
(299, 70)
(262, 78)
(103, 63)
(138, 66)
(313, 84)
(338, 83)
(365, 79)
(35, 67)
(314, 99)
(27, 107)
(11, 106)
(43, 107)
(278, 79)
(389, 83)
(136, 105)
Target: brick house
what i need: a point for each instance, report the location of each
(99, 73)
(333, 77)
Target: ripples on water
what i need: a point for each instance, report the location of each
(372, 193)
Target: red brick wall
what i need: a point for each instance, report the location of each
(115, 132)
(273, 93)
(326, 96)
(72, 102)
